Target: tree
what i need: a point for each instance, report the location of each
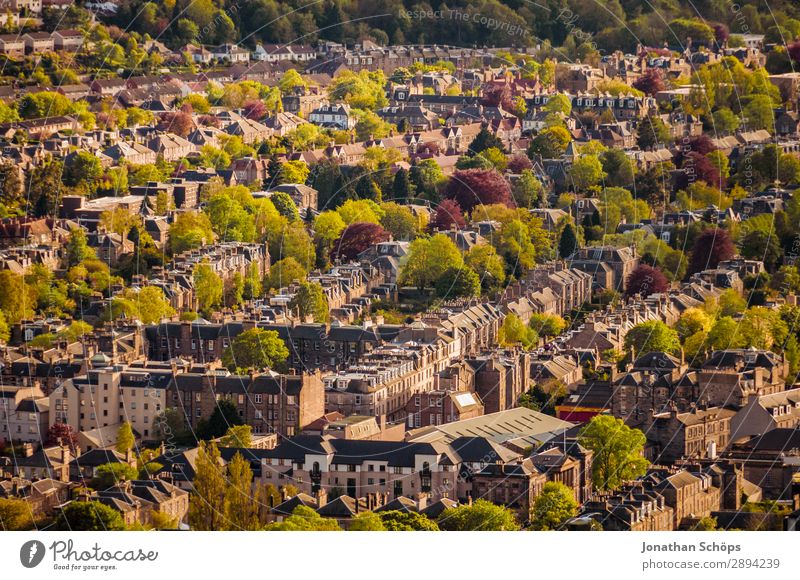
(553, 507)
(484, 140)
(285, 205)
(178, 122)
(547, 324)
(17, 299)
(397, 521)
(304, 519)
(241, 512)
(447, 216)
(568, 242)
(61, 434)
(207, 502)
(485, 262)
(759, 113)
(618, 167)
(208, 287)
(617, 451)
(458, 282)
(44, 187)
(360, 210)
(90, 516)
(237, 436)
(585, 172)
(725, 121)
(481, 516)
(256, 349)
(11, 186)
(399, 221)
(652, 336)
(78, 248)
(692, 321)
(550, 143)
(724, 334)
(125, 438)
(366, 522)
(515, 245)
(310, 300)
(229, 218)
(402, 188)
(284, 273)
(356, 238)
(514, 332)
(652, 133)
(83, 169)
(428, 260)
(15, 515)
(293, 172)
(651, 82)
(646, 280)
(762, 327)
(710, 248)
(472, 187)
(527, 190)
(110, 474)
(328, 226)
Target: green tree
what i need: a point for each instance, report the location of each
(652, 133)
(310, 300)
(481, 516)
(207, 501)
(304, 519)
(284, 273)
(208, 287)
(125, 438)
(78, 249)
(397, 521)
(692, 321)
(366, 522)
(485, 262)
(15, 515)
(568, 242)
(399, 220)
(652, 336)
(293, 172)
(241, 512)
(256, 349)
(458, 282)
(428, 260)
(90, 516)
(547, 324)
(527, 190)
(110, 474)
(617, 451)
(586, 172)
(550, 143)
(514, 332)
(553, 507)
(285, 205)
(237, 436)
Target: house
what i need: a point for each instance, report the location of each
(439, 407)
(702, 432)
(67, 40)
(282, 52)
(12, 45)
(333, 116)
(609, 266)
(250, 170)
(303, 196)
(762, 414)
(170, 146)
(38, 42)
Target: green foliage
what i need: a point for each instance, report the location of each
(547, 325)
(514, 332)
(458, 282)
(310, 300)
(255, 349)
(208, 287)
(91, 516)
(366, 522)
(617, 451)
(15, 515)
(206, 504)
(237, 436)
(481, 516)
(284, 273)
(652, 336)
(428, 260)
(304, 519)
(397, 521)
(125, 438)
(485, 262)
(553, 507)
(110, 474)
(241, 512)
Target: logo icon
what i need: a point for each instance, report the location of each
(31, 553)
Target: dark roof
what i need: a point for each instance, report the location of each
(775, 440)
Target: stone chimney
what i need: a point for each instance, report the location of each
(321, 496)
(422, 500)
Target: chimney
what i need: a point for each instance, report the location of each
(321, 496)
(27, 449)
(422, 500)
(129, 458)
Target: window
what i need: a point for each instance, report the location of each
(241, 399)
(258, 399)
(197, 413)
